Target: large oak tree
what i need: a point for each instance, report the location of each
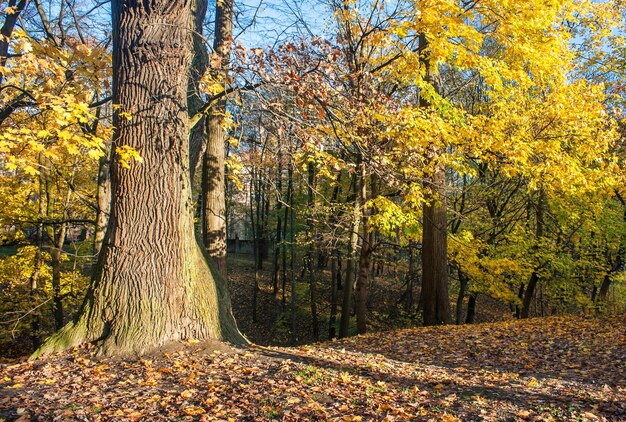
(153, 283)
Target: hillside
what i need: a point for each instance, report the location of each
(566, 368)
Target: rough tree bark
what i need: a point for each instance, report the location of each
(153, 284)
(199, 65)
(214, 234)
(435, 298)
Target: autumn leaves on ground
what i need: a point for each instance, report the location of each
(565, 368)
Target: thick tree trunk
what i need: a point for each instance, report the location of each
(153, 285)
(213, 172)
(435, 298)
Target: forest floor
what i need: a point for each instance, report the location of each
(557, 368)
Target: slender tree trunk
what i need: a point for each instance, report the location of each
(346, 305)
(35, 322)
(310, 248)
(607, 280)
(534, 278)
(471, 308)
(255, 240)
(292, 257)
(288, 211)
(603, 293)
(259, 202)
(265, 212)
(214, 205)
(335, 269)
(213, 161)
(279, 229)
(365, 257)
(57, 235)
(55, 255)
(463, 281)
(604, 288)
(284, 247)
(7, 29)
(199, 65)
(103, 200)
(528, 295)
(153, 284)
(411, 275)
(520, 296)
(594, 293)
(34, 277)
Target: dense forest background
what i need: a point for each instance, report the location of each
(354, 165)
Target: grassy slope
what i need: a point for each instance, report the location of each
(540, 369)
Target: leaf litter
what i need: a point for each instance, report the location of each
(560, 368)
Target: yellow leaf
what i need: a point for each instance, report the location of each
(533, 383)
(31, 170)
(194, 410)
